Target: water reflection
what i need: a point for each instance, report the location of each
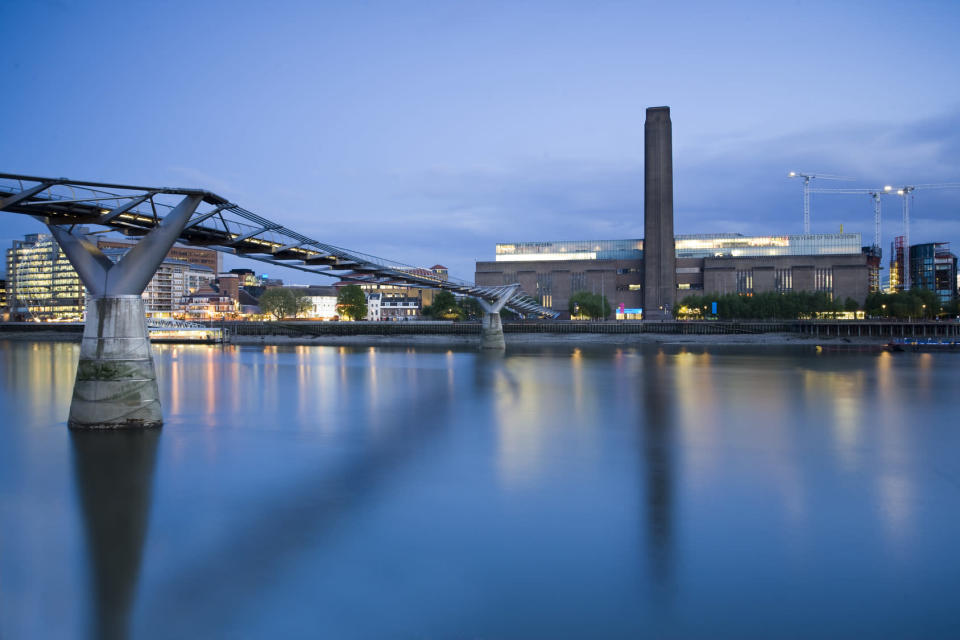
(657, 425)
(310, 504)
(621, 492)
(113, 473)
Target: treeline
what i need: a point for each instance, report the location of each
(917, 303)
(763, 306)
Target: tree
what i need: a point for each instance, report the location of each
(590, 305)
(470, 308)
(444, 307)
(281, 303)
(952, 308)
(351, 302)
(303, 304)
(850, 305)
(766, 306)
(916, 303)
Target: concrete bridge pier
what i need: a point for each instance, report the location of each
(491, 328)
(116, 385)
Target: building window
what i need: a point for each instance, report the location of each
(745, 281)
(824, 279)
(783, 280)
(545, 289)
(578, 281)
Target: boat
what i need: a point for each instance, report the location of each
(923, 344)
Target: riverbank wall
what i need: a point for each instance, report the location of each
(848, 329)
(306, 332)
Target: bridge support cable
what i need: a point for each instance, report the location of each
(491, 328)
(116, 383)
(26, 194)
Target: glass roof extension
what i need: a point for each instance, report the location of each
(687, 246)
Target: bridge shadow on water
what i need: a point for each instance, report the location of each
(268, 541)
(114, 473)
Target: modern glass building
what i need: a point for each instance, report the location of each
(41, 282)
(934, 267)
(43, 285)
(718, 245)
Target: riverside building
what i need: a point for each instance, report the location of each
(41, 282)
(646, 278)
(704, 264)
(932, 266)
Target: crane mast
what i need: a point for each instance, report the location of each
(907, 193)
(876, 219)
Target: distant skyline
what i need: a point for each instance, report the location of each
(428, 132)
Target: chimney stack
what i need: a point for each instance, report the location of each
(659, 253)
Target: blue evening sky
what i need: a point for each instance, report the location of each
(426, 132)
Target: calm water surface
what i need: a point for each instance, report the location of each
(323, 492)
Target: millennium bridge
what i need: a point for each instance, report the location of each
(116, 384)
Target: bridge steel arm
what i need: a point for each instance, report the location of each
(116, 382)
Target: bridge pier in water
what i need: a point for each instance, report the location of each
(116, 384)
(491, 328)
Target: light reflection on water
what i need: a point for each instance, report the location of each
(548, 492)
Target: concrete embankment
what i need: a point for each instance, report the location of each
(535, 332)
(42, 331)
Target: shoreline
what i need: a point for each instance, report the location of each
(562, 339)
(772, 339)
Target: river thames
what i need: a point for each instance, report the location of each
(552, 492)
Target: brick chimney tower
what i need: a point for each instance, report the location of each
(659, 253)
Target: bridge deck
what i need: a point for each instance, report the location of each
(227, 227)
